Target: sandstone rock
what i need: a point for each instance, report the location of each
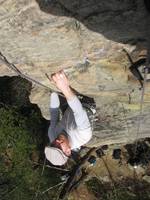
(43, 36)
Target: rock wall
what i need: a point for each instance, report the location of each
(86, 38)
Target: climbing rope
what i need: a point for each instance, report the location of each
(134, 69)
(19, 73)
(141, 107)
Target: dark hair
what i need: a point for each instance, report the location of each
(54, 143)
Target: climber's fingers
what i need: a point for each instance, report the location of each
(60, 80)
(59, 75)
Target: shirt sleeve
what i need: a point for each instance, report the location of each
(80, 114)
(52, 134)
(54, 113)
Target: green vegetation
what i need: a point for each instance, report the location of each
(23, 135)
(20, 176)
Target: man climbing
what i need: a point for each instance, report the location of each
(73, 130)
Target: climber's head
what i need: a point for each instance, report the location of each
(60, 150)
(62, 143)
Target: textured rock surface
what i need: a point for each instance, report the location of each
(45, 36)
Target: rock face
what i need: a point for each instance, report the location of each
(86, 39)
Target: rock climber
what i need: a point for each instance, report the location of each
(73, 130)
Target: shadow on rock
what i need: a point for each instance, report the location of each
(121, 21)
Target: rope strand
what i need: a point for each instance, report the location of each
(19, 73)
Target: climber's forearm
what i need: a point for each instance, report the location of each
(68, 93)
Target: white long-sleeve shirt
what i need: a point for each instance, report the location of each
(74, 122)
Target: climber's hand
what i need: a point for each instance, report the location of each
(62, 83)
(60, 80)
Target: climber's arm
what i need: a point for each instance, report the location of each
(54, 113)
(80, 115)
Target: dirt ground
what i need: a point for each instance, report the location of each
(108, 170)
